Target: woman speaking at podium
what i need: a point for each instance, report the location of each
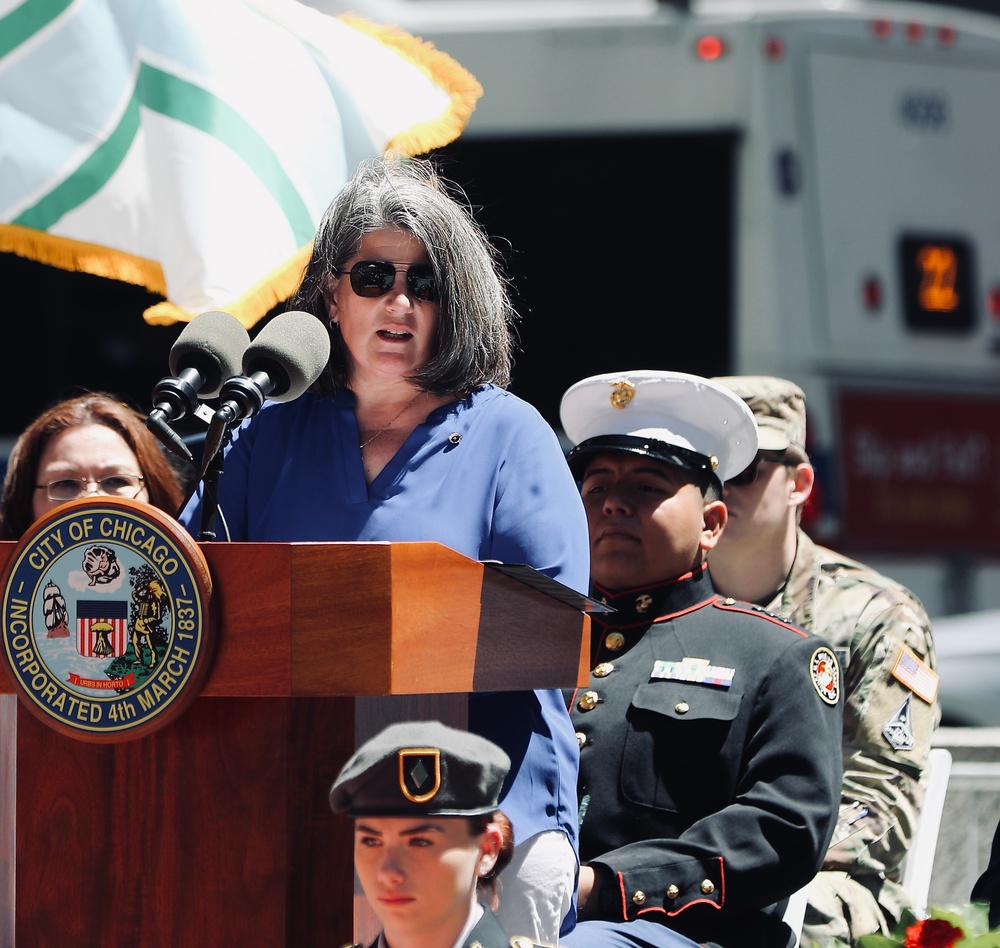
(410, 435)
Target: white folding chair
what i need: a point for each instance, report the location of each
(919, 862)
(795, 912)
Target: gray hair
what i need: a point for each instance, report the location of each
(475, 334)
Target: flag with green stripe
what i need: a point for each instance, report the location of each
(191, 146)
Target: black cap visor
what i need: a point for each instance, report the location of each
(649, 447)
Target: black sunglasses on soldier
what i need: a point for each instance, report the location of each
(749, 474)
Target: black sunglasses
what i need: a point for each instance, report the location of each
(749, 474)
(374, 278)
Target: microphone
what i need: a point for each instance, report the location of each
(287, 356)
(208, 351)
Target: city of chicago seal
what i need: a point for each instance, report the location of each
(106, 629)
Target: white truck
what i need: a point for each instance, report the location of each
(806, 189)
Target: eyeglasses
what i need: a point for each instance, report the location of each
(749, 474)
(374, 278)
(114, 485)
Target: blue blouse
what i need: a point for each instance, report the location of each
(484, 476)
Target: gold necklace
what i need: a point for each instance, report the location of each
(385, 427)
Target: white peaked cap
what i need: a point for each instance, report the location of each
(680, 419)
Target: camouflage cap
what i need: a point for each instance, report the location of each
(421, 768)
(778, 405)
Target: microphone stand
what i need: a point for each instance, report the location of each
(210, 493)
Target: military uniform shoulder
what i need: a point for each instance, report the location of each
(752, 609)
(844, 570)
(851, 586)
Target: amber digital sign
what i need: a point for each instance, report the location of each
(937, 283)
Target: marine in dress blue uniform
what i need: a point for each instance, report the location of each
(710, 730)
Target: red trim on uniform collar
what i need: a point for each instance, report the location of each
(661, 585)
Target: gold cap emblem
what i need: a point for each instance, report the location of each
(622, 392)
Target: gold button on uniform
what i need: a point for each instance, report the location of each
(603, 670)
(614, 641)
(639, 898)
(682, 707)
(673, 892)
(588, 701)
(707, 886)
(581, 738)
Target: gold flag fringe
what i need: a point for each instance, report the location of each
(68, 254)
(252, 306)
(463, 87)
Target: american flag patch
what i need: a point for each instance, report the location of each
(918, 677)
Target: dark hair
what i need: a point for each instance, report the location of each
(475, 336)
(161, 481)
(487, 884)
(708, 484)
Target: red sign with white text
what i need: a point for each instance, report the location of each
(920, 471)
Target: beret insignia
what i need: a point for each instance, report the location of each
(420, 773)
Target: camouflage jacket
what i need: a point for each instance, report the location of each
(882, 636)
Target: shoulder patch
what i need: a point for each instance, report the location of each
(825, 674)
(919, 677)
(898, 730)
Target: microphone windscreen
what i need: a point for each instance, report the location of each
(298, 344)
(213, 343)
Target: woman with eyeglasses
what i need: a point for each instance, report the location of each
(91, 444)
(410, 435)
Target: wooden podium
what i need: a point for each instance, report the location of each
(215, 830)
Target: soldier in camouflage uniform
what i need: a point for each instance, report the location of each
(882, 637)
